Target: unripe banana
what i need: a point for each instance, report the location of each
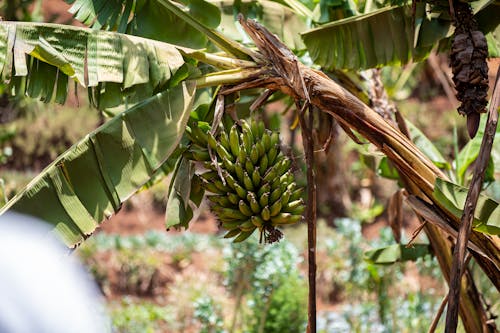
(221, 200)
(275, 195)
(211, 141)
(266, 213)
(256, 177)
(234, 141)
(254, 154)
(231, 225)
(271, 174)
(228, 164)
(266, 188)
(223, 188)
(200, 136)
(263, 162)
(266, 141)
(285, 218)
(247, 226)
(247, 140)
(232, 233)
(233, 198)
(199, 154)
(242, 236)
(209, 176)
(247, 181)
(272, 154)
(238, 169)
(275, 208)
(260, 148)
(261, 128)
(242, 193)
(212, 188)
(292, 205)
(229, 213)
(254, 205)
(242, 156)
(255, 128)
(297, 194)
(224, 141)
(295, 211)
(223, 153)
(264, 199)
(230, 180)
(257, 221)
(244, 208)
(275, 139)
(249, 166)
(285, 197)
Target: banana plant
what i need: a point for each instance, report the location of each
(156, 67)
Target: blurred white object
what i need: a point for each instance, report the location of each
(42, 288)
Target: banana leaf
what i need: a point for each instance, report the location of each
(383, 37)
(486, 215)
(92, 179)
(396, 253)
(149, 19)
(38, 58)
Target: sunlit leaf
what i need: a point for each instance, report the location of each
(453, 197)
(383, 37)
(91, 180)
(120, 69)
(396, 253)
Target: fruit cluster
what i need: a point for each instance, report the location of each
(257, 189)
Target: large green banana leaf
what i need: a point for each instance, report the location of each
(148, 19)
(91, 180)
(389, 36)
(151, 17)
(38, 58)
(382, 37)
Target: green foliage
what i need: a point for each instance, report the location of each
(391, 254)
(208, 313)
(362, 280)
(91, 180)
(453, 197)
(284, 310)
(268, 277)
(141, 317)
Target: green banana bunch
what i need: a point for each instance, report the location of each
(258, 190)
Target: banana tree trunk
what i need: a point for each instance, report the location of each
(280, 70)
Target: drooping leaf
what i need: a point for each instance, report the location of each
(178, 212)
(92, 179)
(383, 37)
(396, 253)
(453, 197)
(38, 58)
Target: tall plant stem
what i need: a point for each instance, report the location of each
(308, 143)
(458, 265)
(306, 84)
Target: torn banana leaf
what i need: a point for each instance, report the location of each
(92, 179)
